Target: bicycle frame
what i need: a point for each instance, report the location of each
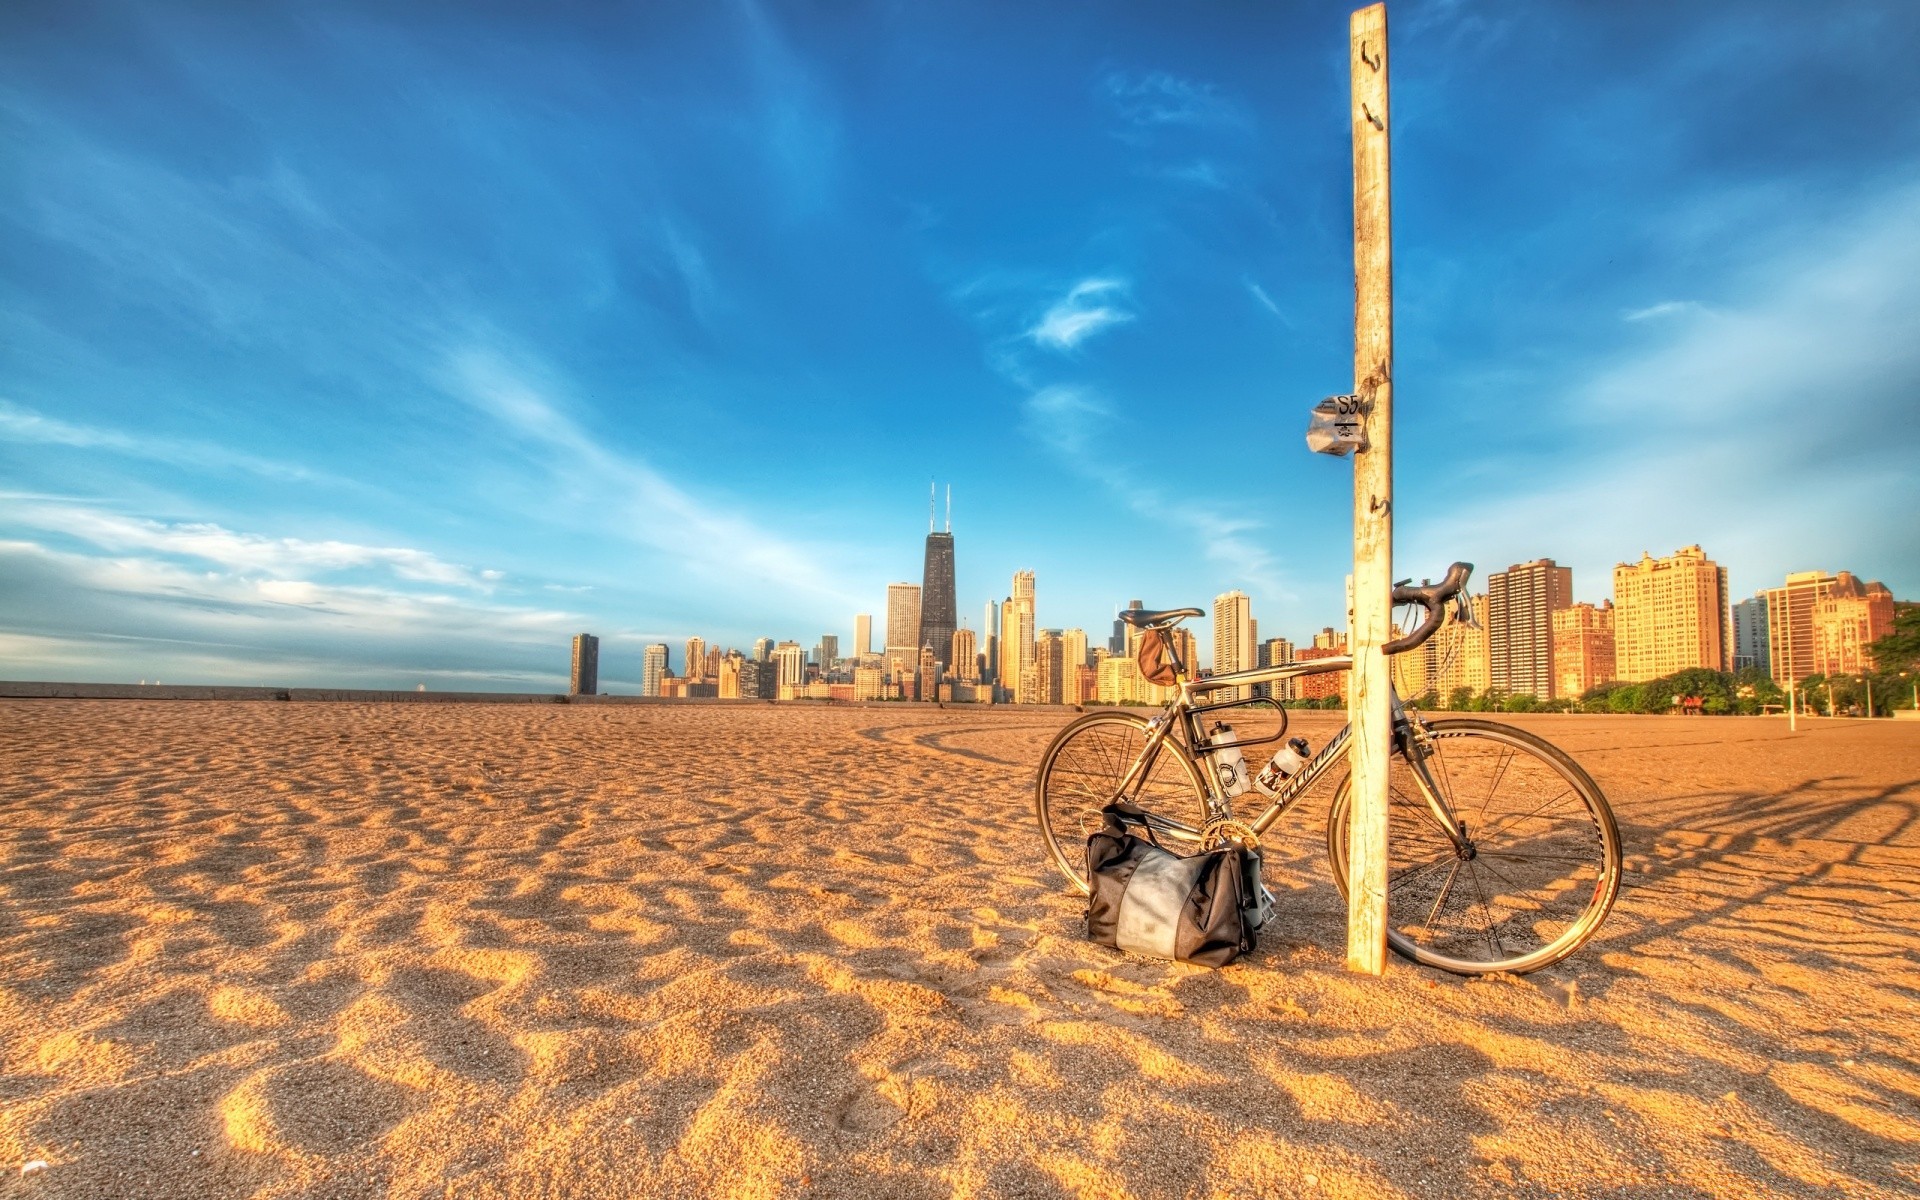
(1184, 714)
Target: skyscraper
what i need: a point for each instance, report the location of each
(1521, 601)
(829, 651)
(1669, 614)
(938, 615)
(903, 622)
(1117, 644)
(790, 661)
(1790, 624)
(586, 665)
(762, 649)
(1049, 664)
(1233, 639)
(862, 634)
(696, 660)
(1073, 656)
(1019, 670)
(653, 669)
(1750, 633)
(990, 642)
(964, 657)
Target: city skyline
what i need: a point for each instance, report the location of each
(396, 346)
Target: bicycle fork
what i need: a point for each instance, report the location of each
(1411, 734)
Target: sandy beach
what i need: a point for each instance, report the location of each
(335, 949)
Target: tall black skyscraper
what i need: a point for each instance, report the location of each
(938, 616)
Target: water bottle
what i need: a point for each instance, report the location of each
(1229, 765)
(1285, 762)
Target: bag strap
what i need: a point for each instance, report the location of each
(1123, 817)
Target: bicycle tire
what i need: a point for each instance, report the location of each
(1081, 772)
(1543, 868)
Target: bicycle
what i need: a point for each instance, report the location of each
(1503, 853)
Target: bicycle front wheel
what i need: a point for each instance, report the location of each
(1083, 772)
(1540, 867)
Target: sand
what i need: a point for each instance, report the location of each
(287, 949)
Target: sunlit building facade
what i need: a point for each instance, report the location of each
(1583, 656)
(1670, 614)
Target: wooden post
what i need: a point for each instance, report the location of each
(1369, 705)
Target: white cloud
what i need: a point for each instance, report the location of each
(25, 426)
(1777, 425)
(68, 615)
(1079, 427)
(1158, 98)
(638, 502)
(245, 553)
(1265, 301)
(1091, 306)
(1666, 308)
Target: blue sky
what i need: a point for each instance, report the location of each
(389, 344)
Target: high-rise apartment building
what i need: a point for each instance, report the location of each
(1233, 639)
(829, 651)
(1750, 634)
(903, 621)
(1582, 648)
(711, 671)
(938, 614)
(762, 649)
(585, 679)
(696, 660)
(1073, 659)
(990, 643)
(1852, 617)
(759, 679)
(1278, 652)
(1521, 601)
(1790, 624)
(964, 659)
(1016, 641)
(1670, 614)
(1049, 661)
(862, 634)
(653, 668)
(790, 664)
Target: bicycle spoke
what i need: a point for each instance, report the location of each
(1486, 909)
(1499, 774)
(1445, 888)
(1510, 822)
(1412, 873)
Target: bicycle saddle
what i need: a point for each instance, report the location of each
(1147, 618)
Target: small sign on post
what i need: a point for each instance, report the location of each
(1337, 426)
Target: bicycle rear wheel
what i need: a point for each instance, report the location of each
(1082, 771)
(1540, 869)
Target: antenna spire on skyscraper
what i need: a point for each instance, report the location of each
(933, 497)
(949, 508)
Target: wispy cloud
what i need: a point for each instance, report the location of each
(248, 554)
(1728, 427)
(1263, 299)
(628, 494)
(23, 425)
(1083, 432)
(1158, 99)
(70, 615)
(1666, 308)
(1091, 306)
